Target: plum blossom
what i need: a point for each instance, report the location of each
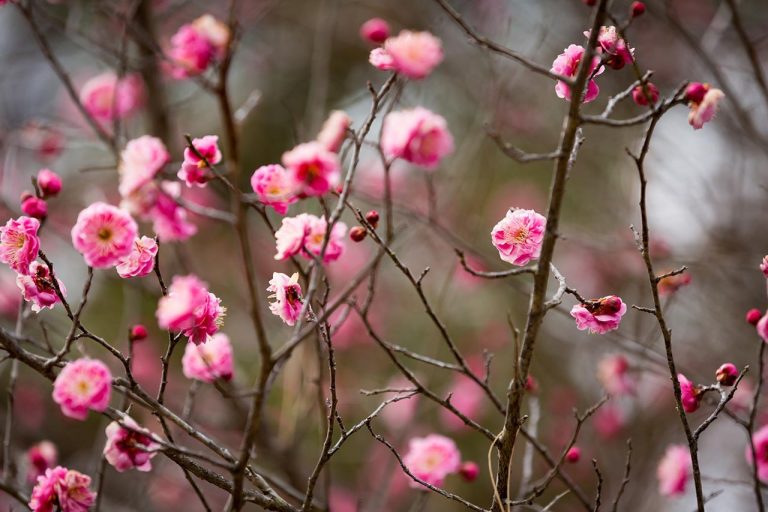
(305, 235)
(467, 397)
(37, 287)
(690, 394)
(195, 46)
(274, 187)
(611, 44)
(140, 162)
(286, 292)
(33, 206)
(760, 444)
(641, 94)
(567, 64)
(49, 182)
(703, 101)
(106, 96)
(194, 168)
(613, 374)
(40, 457)
(129, 448)
(413, 54)
(600, 315)
(191, 309)
(674, 470)
(19, 243)
(762, 327)
(103, 234)
(375, 30)
(727, 374)
(62, 490)
(140, 261)
(418, 136)
(169, 219)
(334, 130)
(519, 235)
(82, 385)
(764, 266)
(210, 361)
(431, 459)
(313, 168)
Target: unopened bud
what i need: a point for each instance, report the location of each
(573, 455)
(640, 95)
(753, 316)
(357, 233)
(33, 206)
(637, 9)
(138, 332)
(695, 92)
(727, 374)
(372, 217)
(469, 471)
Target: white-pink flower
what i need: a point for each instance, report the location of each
(674, 470)
(274, 187)
(705, 111)
(286, 295)
(313, 168)
(140, 162)
(40, 457)
(106, 96)
(413, 54)
(140, 261)
(431, 459)
(210, 361)
(418, 136)
(567, 64)
(129, 446)
(334, 130)
(519, 235)
(82, 385)
(62, 490)
(195, 46)
(600, 315)
(19, 243)
(103, 234)
(613, 374)
(760, 443)
(194, 170)
(305, 235)
(191, 309)
(37, 287)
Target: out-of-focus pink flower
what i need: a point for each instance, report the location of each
(742, 397)
(140, 261)
(431, 459)
(49, 182)
(609, 43)
(762, 327)
(640, 95)
(573, 455)
(469, 471)
(37, 287)
(334, 130)
(286, 292)
(599, 316)
(195, 46)
(129, 448)
(413, 54)
(81, 385)
(46, 141)
(62, 490)
(567, 64)
(342, 500)
(690, 394)
(169, 219)
(380, 59)
(609, 421)
(305, 235)
(40, 457)
(19, 243)
(210, 361)
(106, 97)
(727, 374)
(313, 168)
(671, 284)
(194, 169)
(519, 235)
(674, 470)
(760, 444)
(418, 136)
(703, 101)
(103, 234)
(191, 309)
(764, 266)
(140, 162)
(375, 30)
(215, 31)
(274, 187)
(467, 397)
(613, 373)
(33, 206)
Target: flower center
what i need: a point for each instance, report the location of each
(105, 234)
(518, 235)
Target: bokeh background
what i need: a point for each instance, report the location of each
(303, 58)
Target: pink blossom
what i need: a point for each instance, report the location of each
(334, 130)
(418, 136)
(380, 59)
(215, 31)
(600, 315)
(413, 54)
(764, 266)
(615, 47)
(287, 301)
(274, 187)
(641, 94)
(49, 182)
(19, 243)
(107, 97)
(130, 447)
(305, 235)
(104, 234)
(760, 444)
(191, 309)
(727, 374)
(690, 394)
(705, 110)
(431, 459)
(290, 237)
(62, 490)
(519, 235)
(375, 30)
(169, 218)
(40, 457)
(762, 327)
(613, 374)
(140, 261)
(674, 470)
(567, 64)
(313, 168)
(140, 162)
(210, 361)
(609, 421)
(81, 385)
(37, 287)
(467, 397)
(33, 206)
(194, 169)
(195, 46)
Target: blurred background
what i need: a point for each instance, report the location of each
(299, 60)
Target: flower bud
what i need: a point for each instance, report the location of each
(531, 385)
(764, 266)
(573, 455)
(695, 92)
(375, 30)
(609, 305)
(137, 333)
(357, 233)
(637, 9)
(469, 471)
(727, 374)
(640, 97)
(753, 316)
(372, 217)
(33, 206)
(49, 182)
